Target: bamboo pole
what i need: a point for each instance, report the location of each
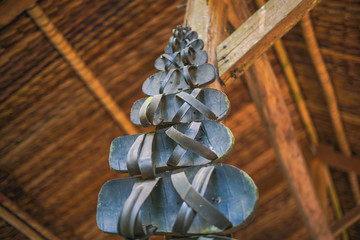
(330, 97)
(79, 66)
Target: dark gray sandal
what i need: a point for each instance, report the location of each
(176, 45)
(224, 197)
(183, 145)
(187, 56)
(186, 106)
(176, 80)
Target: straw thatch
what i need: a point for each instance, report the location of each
(55, 135)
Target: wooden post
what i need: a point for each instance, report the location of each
(267, 96)
(208, 18)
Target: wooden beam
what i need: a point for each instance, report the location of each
(337, 160)
(11, 213)
(10, 9)
(237, 52)
(330, 97)
(79, 66)
(320, 173)
(208, 18)
(267, 96)
(349, 219)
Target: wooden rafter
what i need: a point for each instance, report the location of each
(265, 91)
(12, 214)
(330, 97)
(79, 66)
(337, 160)
(9, 10)
(237, 52)
(320, 173)
(349, 219)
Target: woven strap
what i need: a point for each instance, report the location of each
(192, 101)
(139, 158)
(148, 110)
(195, 202)
(188, 143)
(129, 224)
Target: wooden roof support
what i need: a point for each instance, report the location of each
(10, 9)
(337, 160)
(12, 214)
(349, 219)
(79, 66)
(237, 52)
(265, 91)
(330, 97)
(208, 18)
(319, 170)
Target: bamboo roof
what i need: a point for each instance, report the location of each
(55, 132)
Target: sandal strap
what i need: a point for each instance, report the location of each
(166, 79)
(188, 143)
(202, 108)
(148, 110)
(187, 75)
(188, 55)
(193, 197)
(185, 107)
(129, 224)
(179, 151)
(170, 61)
(139, 158)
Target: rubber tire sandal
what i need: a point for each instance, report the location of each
(176, 45)
(224, 197)
(187, 56)
(176, 80)
(186, 106)
(168, 148)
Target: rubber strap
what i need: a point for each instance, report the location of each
(187, 75)
(148, 110)
(145, 161)
(166, 79)
(186, 214)
(128, 225)
(170, 60)
(133, 155)
(179, 151)
(197, 202)
(187, 55)
(185, 106)
(190, 144)
(197, 105)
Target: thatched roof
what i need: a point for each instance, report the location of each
(55, 135)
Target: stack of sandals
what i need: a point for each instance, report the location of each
(180, 190)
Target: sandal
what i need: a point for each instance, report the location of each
(224, 197)
(176, 45)
(187, 56)
(163, 109)
(183, 145)
(176, 80)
